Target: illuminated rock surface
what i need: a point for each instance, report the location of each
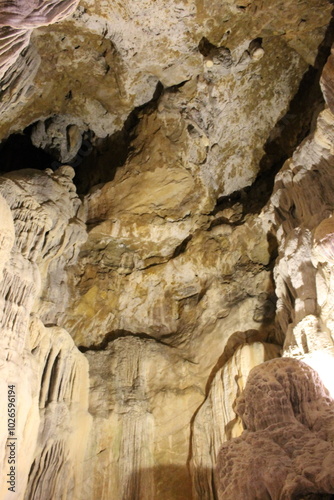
(142, 284)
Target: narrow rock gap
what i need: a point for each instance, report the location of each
(182, 247)
(111, 153)
(53, 381)
(175, 88)
(44, 381)
(117, 334)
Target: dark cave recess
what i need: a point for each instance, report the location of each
(18, 152)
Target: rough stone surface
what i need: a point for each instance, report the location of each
(132, 313)
(327, 82)
(116, 39)
(208, 433)
(287, 448)
(18, 62)
(49, 373)
(301, 208)
(57, 136)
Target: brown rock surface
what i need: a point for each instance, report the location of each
(287, 448)
(216, 421)
(132, 313)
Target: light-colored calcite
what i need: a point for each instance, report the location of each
(131, 315)
(141, 422)
(48, 372)
(302, 208)
(57, 464)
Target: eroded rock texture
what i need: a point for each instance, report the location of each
(302, 207)
(50, 374)
(18, 63)
(133, 313)
(287, 448)
(216, 421)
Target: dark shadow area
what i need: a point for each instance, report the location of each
(112, 152)
(117, 334)
(18, 152)
(182, 247)
(293, 127)
(95, 163)
(106, 156)
(206, 48)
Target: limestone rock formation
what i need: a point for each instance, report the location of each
(142, 399)
(327, 81)
(18, 62)
(302, 210)
(50, 375)
(287, 449)
(216, 421)
(140, 287)
(58, 137)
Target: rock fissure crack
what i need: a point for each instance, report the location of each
(112, 336)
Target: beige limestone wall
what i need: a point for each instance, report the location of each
(132, 314)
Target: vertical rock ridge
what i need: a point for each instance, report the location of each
(286, 408)
(47, 369)
(17, 297)
(216, 421)
(131, 444)
(63, 402)
(302, 210)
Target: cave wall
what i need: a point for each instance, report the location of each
(133, 312)
(40, 235)
(285, 409)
